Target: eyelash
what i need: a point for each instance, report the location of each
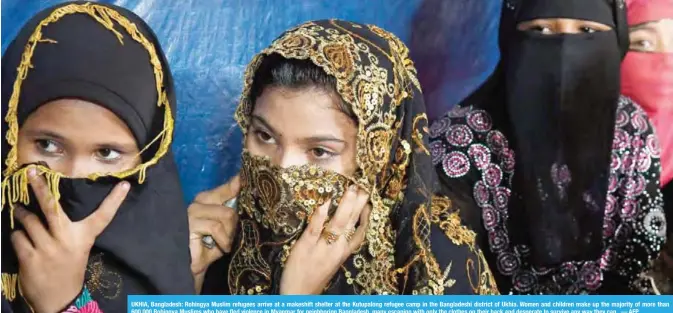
(44, 144)
(588, 30)
(326, 153)
(547, 30)
(109, 160)
(259, 134)
(540, 29)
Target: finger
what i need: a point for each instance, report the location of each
(340, 220)
(361, 232)
(35, 230)
(226, 215)
(101, 218)
(222, 234)
(49, 206)
(359, 204)
(315, 224)
(202, 257)
(220, 194)
(22, 245)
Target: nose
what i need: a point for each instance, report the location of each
(668, 47)
(76, 167)
(568, 28)
(287, 158)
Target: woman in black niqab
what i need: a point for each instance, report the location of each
(108, 56)
(560, 169)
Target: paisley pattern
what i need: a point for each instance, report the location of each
(405, 252)
(634, 225)
(287, 196)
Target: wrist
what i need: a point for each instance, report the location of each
(47, 305)
(198, 281)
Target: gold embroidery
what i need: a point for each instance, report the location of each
(288, 196)
(421, 233)
(487, 284)
(248, 260)
(14, 184)
(417, 135)
(397, 184)
(103, 281)
(448, 282)
(339, 55)
(375, 77)
(9, 283)
(448, 220)
(367, 91)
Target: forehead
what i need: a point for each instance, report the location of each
(303, 112)
(78, 121)
(665, 25)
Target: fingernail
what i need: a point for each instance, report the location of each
(125, 185)
(353, 188)
(32, 172)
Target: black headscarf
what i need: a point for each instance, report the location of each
(109, 56)
(533, 150)
(413, 238)
(562, 93)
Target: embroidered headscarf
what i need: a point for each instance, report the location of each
(108, 56)
(412, 238)
(558, 165)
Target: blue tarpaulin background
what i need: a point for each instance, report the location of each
(209, 42)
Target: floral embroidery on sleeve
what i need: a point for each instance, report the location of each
(84, 304)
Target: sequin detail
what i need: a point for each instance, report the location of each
(634, 225)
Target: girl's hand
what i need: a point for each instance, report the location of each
(321, 250)
(209, 217)
(53, 258)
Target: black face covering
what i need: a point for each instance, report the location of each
(553, 184)
(145, 249)
(562, 126)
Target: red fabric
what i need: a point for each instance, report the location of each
(643, 11)
(647, 78)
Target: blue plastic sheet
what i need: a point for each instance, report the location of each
(209, 43)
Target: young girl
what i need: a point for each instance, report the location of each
(91, 198)
(563, 172)
(336, 187)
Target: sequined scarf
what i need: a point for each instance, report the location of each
(377, 79)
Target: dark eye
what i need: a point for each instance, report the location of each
(320, 153)
(264, 137)
(642, 45)
(48, 146)
(588, 30)
(541, 29)
(108, 154)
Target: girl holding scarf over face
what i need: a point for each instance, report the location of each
(92, 208)
(563, 172)
(647, 78)
(336, 194)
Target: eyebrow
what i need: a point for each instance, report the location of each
(642, 26)
(44, 133)
(312, 139)
(124, 146)
(261, 120)
(323, 138)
